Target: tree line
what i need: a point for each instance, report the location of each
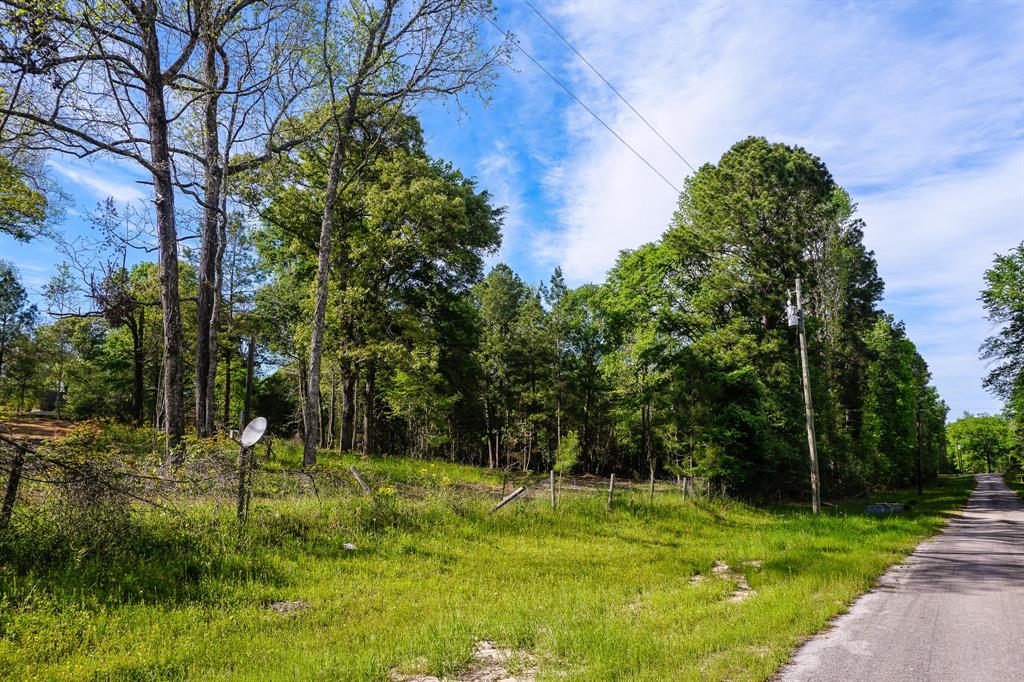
(300, 225)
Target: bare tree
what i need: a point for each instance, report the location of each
(109, 68)
(252, 82)
(393, 53)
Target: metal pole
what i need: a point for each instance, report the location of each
(808, 406)
(242, 452)
(249, 359)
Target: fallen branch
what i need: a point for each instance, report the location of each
(513, 495)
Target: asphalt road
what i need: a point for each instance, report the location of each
(954, 611)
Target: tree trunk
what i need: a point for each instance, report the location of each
(490, 434)
(645, 418)
(167, 235)
(227, 387)
(302, 393)
(369, 444)
(348, 410)
(329, 435)
(138, 364)
(206, 351)
(312, 407)
(11, 492)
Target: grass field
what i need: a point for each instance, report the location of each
(582, 593)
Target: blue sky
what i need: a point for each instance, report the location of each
(917, 109)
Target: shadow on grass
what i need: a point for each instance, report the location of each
(124, 558)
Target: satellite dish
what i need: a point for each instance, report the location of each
(253, 432)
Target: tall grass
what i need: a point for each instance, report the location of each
(592, 594)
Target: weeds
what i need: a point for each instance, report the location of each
(411, 583)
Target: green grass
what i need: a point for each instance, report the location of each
(592, 594)
(1015, 481)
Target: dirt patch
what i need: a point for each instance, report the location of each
(743, 589)
(34, 431)
(490, 664)
(288, 608)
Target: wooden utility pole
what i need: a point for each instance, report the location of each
(798, 314)
(920, 458)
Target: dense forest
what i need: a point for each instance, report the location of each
(316, 241)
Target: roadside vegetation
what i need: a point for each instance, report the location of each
(306, 259)
(345, 586)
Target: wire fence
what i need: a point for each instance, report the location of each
(40, 473)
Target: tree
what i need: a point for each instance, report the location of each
(60, 294)
(23, 209)
(16, 315)
(1003, 299)
(396, 52)
(103, 76)
(636, 304)
(500, 298)
(745, 229)
(982, 443)
(253, 82)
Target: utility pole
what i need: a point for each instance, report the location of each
(920, 459)
(795, 315)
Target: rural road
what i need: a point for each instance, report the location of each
(954, 611)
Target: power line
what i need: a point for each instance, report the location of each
(612, 87)
(579, 101)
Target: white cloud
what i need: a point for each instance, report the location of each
(933, 242)
(101, 186)
(920, 116)
(878, 106)
(499, 172)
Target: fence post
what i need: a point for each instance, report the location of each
(243, 451)
(652, 484)
(552, 483)
(13, 481)
(611, 490)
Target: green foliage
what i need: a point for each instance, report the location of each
(16, 347)
(983, 443)
(567, 454)
(1003, 298)
(681, 361)
(23, 209)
